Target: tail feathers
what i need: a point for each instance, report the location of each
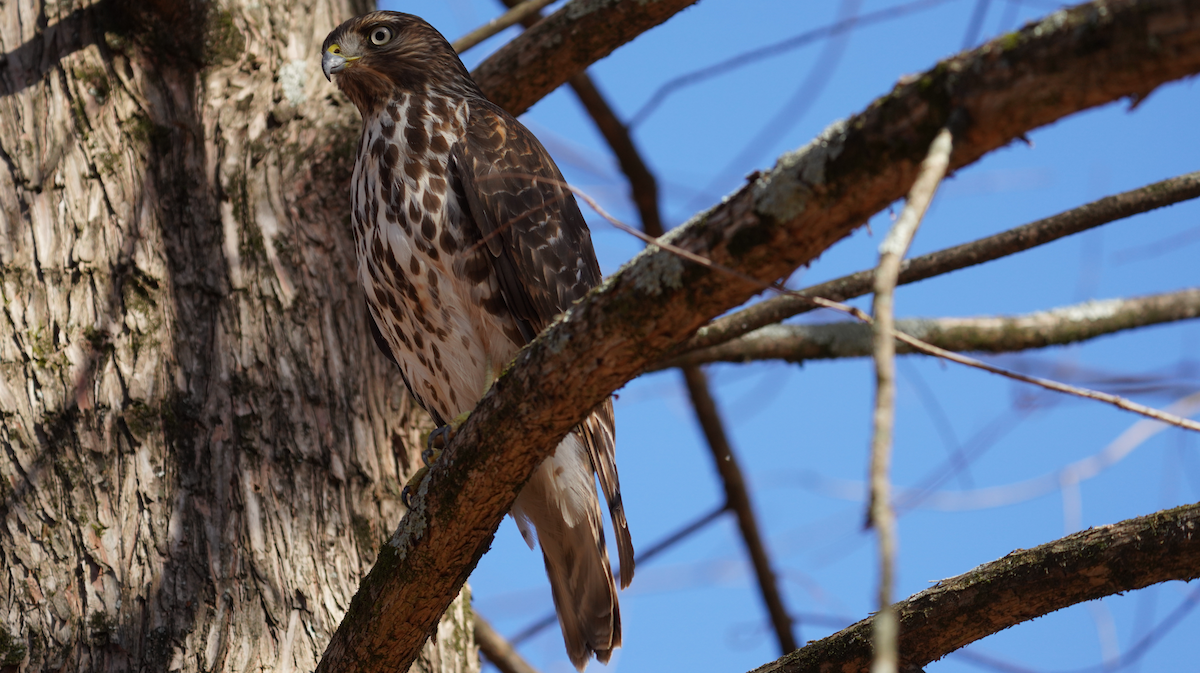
(560, 502)
(585, 596)
(598, 434)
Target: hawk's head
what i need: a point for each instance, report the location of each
(379, 54)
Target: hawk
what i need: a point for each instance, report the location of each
(468, 245)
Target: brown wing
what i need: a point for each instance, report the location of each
(542, 254)
(541, 247)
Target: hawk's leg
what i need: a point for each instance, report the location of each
(439, 439)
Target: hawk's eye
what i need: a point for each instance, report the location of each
(380, 36)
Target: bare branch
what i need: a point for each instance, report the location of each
(642, 184)
(1015, 240)
(1115, 400)
(498, 650)
(881, 515)
(737, 497)
(1024, 585)
(523, 71)
(670, 540)
(1079, 58)
(767, 51)
(991, 334)
(518, 13)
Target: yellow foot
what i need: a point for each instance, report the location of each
(439, 439)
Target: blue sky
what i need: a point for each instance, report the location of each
(800, 431)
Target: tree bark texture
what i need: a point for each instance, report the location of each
(201, 447)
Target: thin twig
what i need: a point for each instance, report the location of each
(1115, 400)
(516, 15)
(738, 498)
(1087, 216)
(989, 334)
(498, 650)
(895, 245)
(643, 186)
(795, 42)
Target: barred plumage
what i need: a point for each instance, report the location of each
(464, 255)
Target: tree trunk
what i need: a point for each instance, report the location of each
(201, 447)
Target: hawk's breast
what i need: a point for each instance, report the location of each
(426, 272)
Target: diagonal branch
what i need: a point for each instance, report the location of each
(498, 650)
(1079, 58)
(738, 498)
(523, 71)
(1024, 585)
(1002, 334)
(1087, 216)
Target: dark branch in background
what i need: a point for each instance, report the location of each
(976, 25)
(643, 557)
(498, 650)
(542, 58)
(643, 186)
(789, 114)
(1024, 585)
(783, 46)
(644, 191)
(738, 498)
(1005, 334)
(1087, 216)
(1079, 58)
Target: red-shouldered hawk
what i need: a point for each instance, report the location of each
(468, 246)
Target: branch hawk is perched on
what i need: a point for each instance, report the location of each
(465, 255)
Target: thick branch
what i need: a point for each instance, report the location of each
(1079, 58)
(1004, 334)
(523, 71)
(1018, 239)
(1024, 585)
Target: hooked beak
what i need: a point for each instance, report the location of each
(334, 62)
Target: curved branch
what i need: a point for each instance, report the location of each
(1078, 58)
(1024, 585)
(1017, 239)
(523, 71)
(1005, 334)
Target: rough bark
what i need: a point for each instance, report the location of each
(201, 447)
(1075, 59)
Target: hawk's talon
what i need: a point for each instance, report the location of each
(439, 439)
(414, 483)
